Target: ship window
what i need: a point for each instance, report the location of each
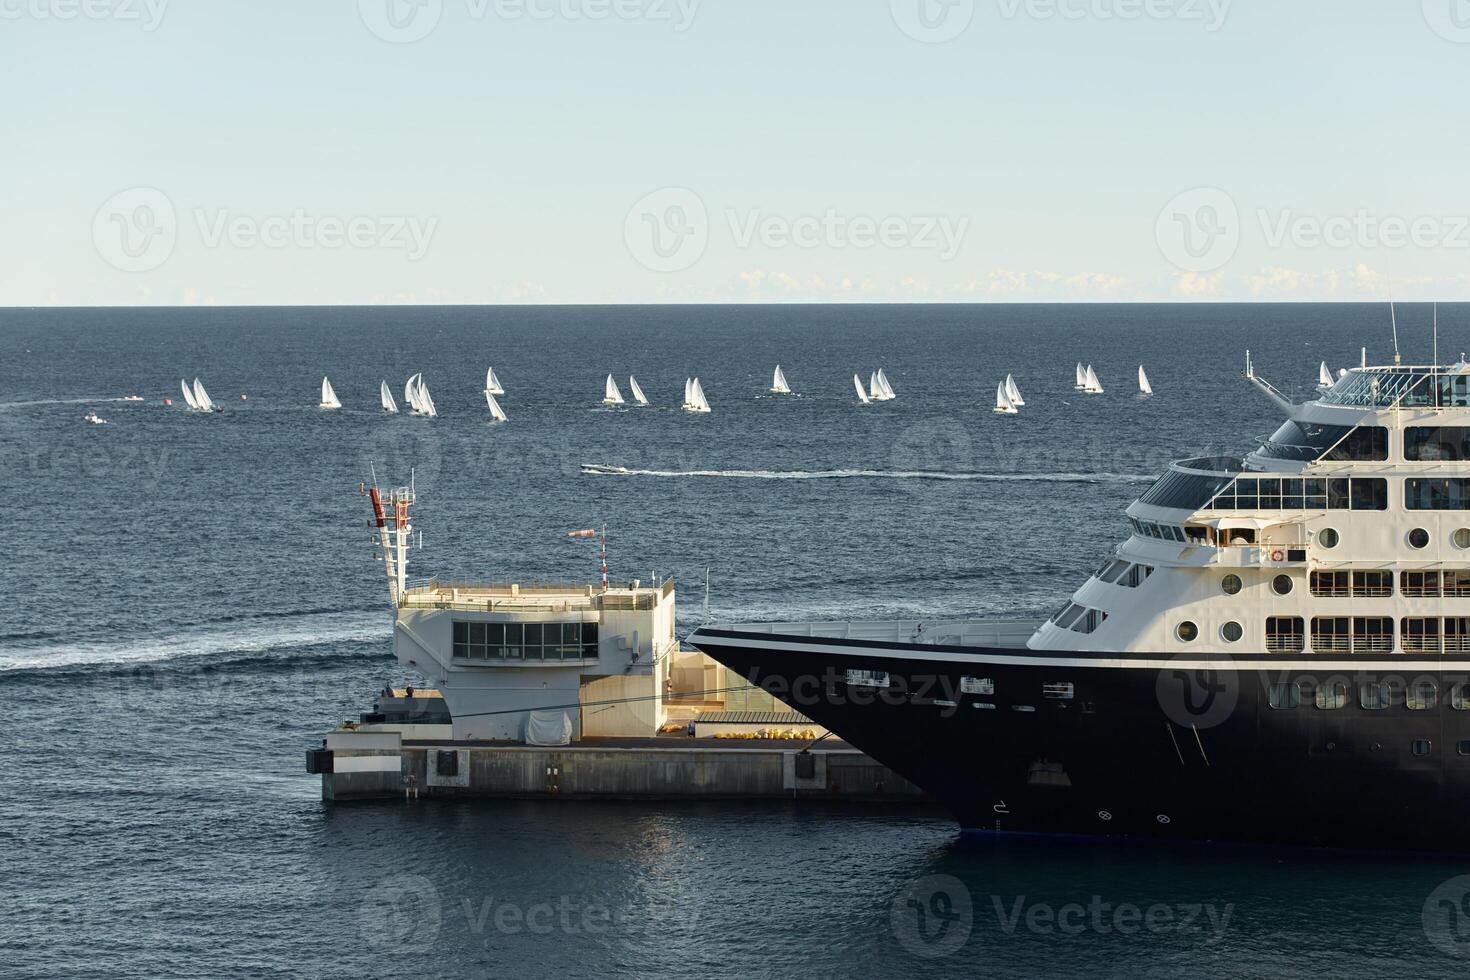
(1461, 538)
(1069, 615)
(1421, 746)
(1457, 583)
(1372, 584)
(1135, 576)
(1372, 634)
(1285, 695)
(515, 638)
(1330, 584)
(1328, 537)
(867, 678)
(1183, 491)
(1314, 494)
(1089, 622)
(1419, 635)
(1061, 691)
(589, 641)
(1433, 443)
(1281, 585)
(1285, 634)
(1419, 538)
(461, 639)
(1370, 494)
(1331, 634)
(1332, 695)
(1186, 631)
(1437, 494)
(1457, 634)
(1365, 444)
(1463, 746)
(1419, 585)
(1422, 696)
(1110, 572)
(1375, 696)
(1230, 584)
(1460, 697)
(477, 641)
(1231, 632)
(977, 685)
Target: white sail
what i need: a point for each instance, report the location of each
(496, 412)
(778, 383)
(862, 392)
(1143, 386)
(426, 400)
(610, 393)
(688, 389)
(329, 397)
(1093, 386)
(697, 401)
(492, 383)
(1081, 382)
(1013, 393)
(636, 391)
(188, 394)
(875, 391)
(1003, 403)
(386, 396)
(201, 398)
(1324, 376)
(884, 388)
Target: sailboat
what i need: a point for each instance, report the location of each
(611, 395)
(1013, 393)
(202, 400)
(492, 383)
(1325, 379)
(386, 397)
(416, 394)
(636, 391)
(694, 400)
(188, 395)
(862, 392)
(778, 383)
(329, 397)
(496, 412)
(1003, 403)
(1081, 382)
(1093, 386)
(1144, 388)
(885, 387)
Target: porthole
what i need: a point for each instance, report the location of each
(1462, 538)
(1421, 746)
(1231, 632)
(1281, 585)
(1328, 537)
(1230, 584)
(1418, 538)
(1186, 631)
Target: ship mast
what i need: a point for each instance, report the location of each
(395, 535)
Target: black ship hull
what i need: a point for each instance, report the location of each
(1014, 740)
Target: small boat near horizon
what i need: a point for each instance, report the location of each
(329, 397)
(197, 398)
(93, 417)
(1144, 388)
(1003, 403)
(778, 383)
(611, 396)
(694, 400)
(416, 394)
(1325, 379)
(1091, 385)
(638, 397)
(386, 397)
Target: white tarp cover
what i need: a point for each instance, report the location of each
(548, 728)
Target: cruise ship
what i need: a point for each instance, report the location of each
(1278, 651)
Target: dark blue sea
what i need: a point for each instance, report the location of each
(190, 601)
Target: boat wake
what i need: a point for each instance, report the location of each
(598, 469)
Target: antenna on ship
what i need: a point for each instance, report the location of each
(1394, 319)
(604, 557)
(1434, 371)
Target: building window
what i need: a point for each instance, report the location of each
(1372, 585)
(1332, 695)
(1419, 538)
(525, 641)
(1281, 585)
(1328, 537)
(1419, 585)
(1375, 696)
(1285, 634)
(1186, 631)
(1230, 585)
(1422, 696)
(1421, 746)
(1231, 632)
(1332, 634)
(1419, 635)
(1285, 695)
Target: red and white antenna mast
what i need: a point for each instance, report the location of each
(604, 557)
(395, 534)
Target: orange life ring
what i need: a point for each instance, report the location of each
(1278, 555)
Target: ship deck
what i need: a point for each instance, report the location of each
(1004, 633)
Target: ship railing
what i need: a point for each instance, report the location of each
(979, 633)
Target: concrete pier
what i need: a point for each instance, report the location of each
(382, 765)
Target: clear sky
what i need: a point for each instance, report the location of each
(480, 151)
